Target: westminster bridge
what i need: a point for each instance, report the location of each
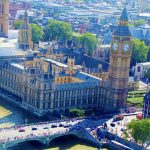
(44, 133)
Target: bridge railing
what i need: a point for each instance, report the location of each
(40, 123)
(33, 136)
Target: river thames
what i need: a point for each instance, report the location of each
(11, 115)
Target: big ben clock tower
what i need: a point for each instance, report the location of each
(119, 64)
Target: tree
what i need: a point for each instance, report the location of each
(139, 130)
(138, 22)
(89, 42)
(76, 112)
(17, 24)
(37, 33)
(139, 52)
(147, 74)
(58, 31)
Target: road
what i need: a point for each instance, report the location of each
(119, 125)
(38, 130)
(45, 129)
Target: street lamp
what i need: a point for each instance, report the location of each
(147, 84)
(26, 121)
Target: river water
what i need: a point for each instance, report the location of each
(12, 115)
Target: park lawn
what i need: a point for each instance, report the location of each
(76, 147)
(6, 125)
(4, 112)
(135, 100)
(136, 92)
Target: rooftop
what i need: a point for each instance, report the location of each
(144, 63)
(124, 16)
(18, 66)
(57, 63)
(145, 26)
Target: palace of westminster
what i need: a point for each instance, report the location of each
(42, 84)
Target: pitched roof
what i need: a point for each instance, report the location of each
(122, 31)
(124, 16)
(81, 59)
(88, 61)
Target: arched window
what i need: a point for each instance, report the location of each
(2, 8)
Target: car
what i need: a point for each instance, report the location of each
(88, 129)
(46, 128)
(33, 129)
(21, 130)
(118, 117)
(67, 125)
(61, 125)
(54, 126)
(112, 124)
(122, 129)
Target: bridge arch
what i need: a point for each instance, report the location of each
(46, 140)
(63, 136)
(15, 143)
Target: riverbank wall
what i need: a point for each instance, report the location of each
(116, 143)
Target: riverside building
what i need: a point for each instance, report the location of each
(43, 85)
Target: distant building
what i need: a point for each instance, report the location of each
(141, 69)
(20, 15)
(133, 84)
(102, 52)
(25, 34)
(107, 38)
(142, 33)
(4, 18)
(15, 6)
(146, 105)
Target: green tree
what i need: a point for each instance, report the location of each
(76, 112)
(58, 31)
(89, 42)
(17, 24)
(147, 74)
(139, 130)
(139, 52)
(138, 22)
(37, 33)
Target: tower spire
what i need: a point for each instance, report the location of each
(123, 28)
(124, 16)
(25, 33)
(26, 21)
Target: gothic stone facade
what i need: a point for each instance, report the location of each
(44, 85)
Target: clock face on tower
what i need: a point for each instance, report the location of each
(126, 47)
(115, 46)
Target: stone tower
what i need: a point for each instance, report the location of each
(25, 34)
(71, 62)
(119, 64)
(4, 18)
